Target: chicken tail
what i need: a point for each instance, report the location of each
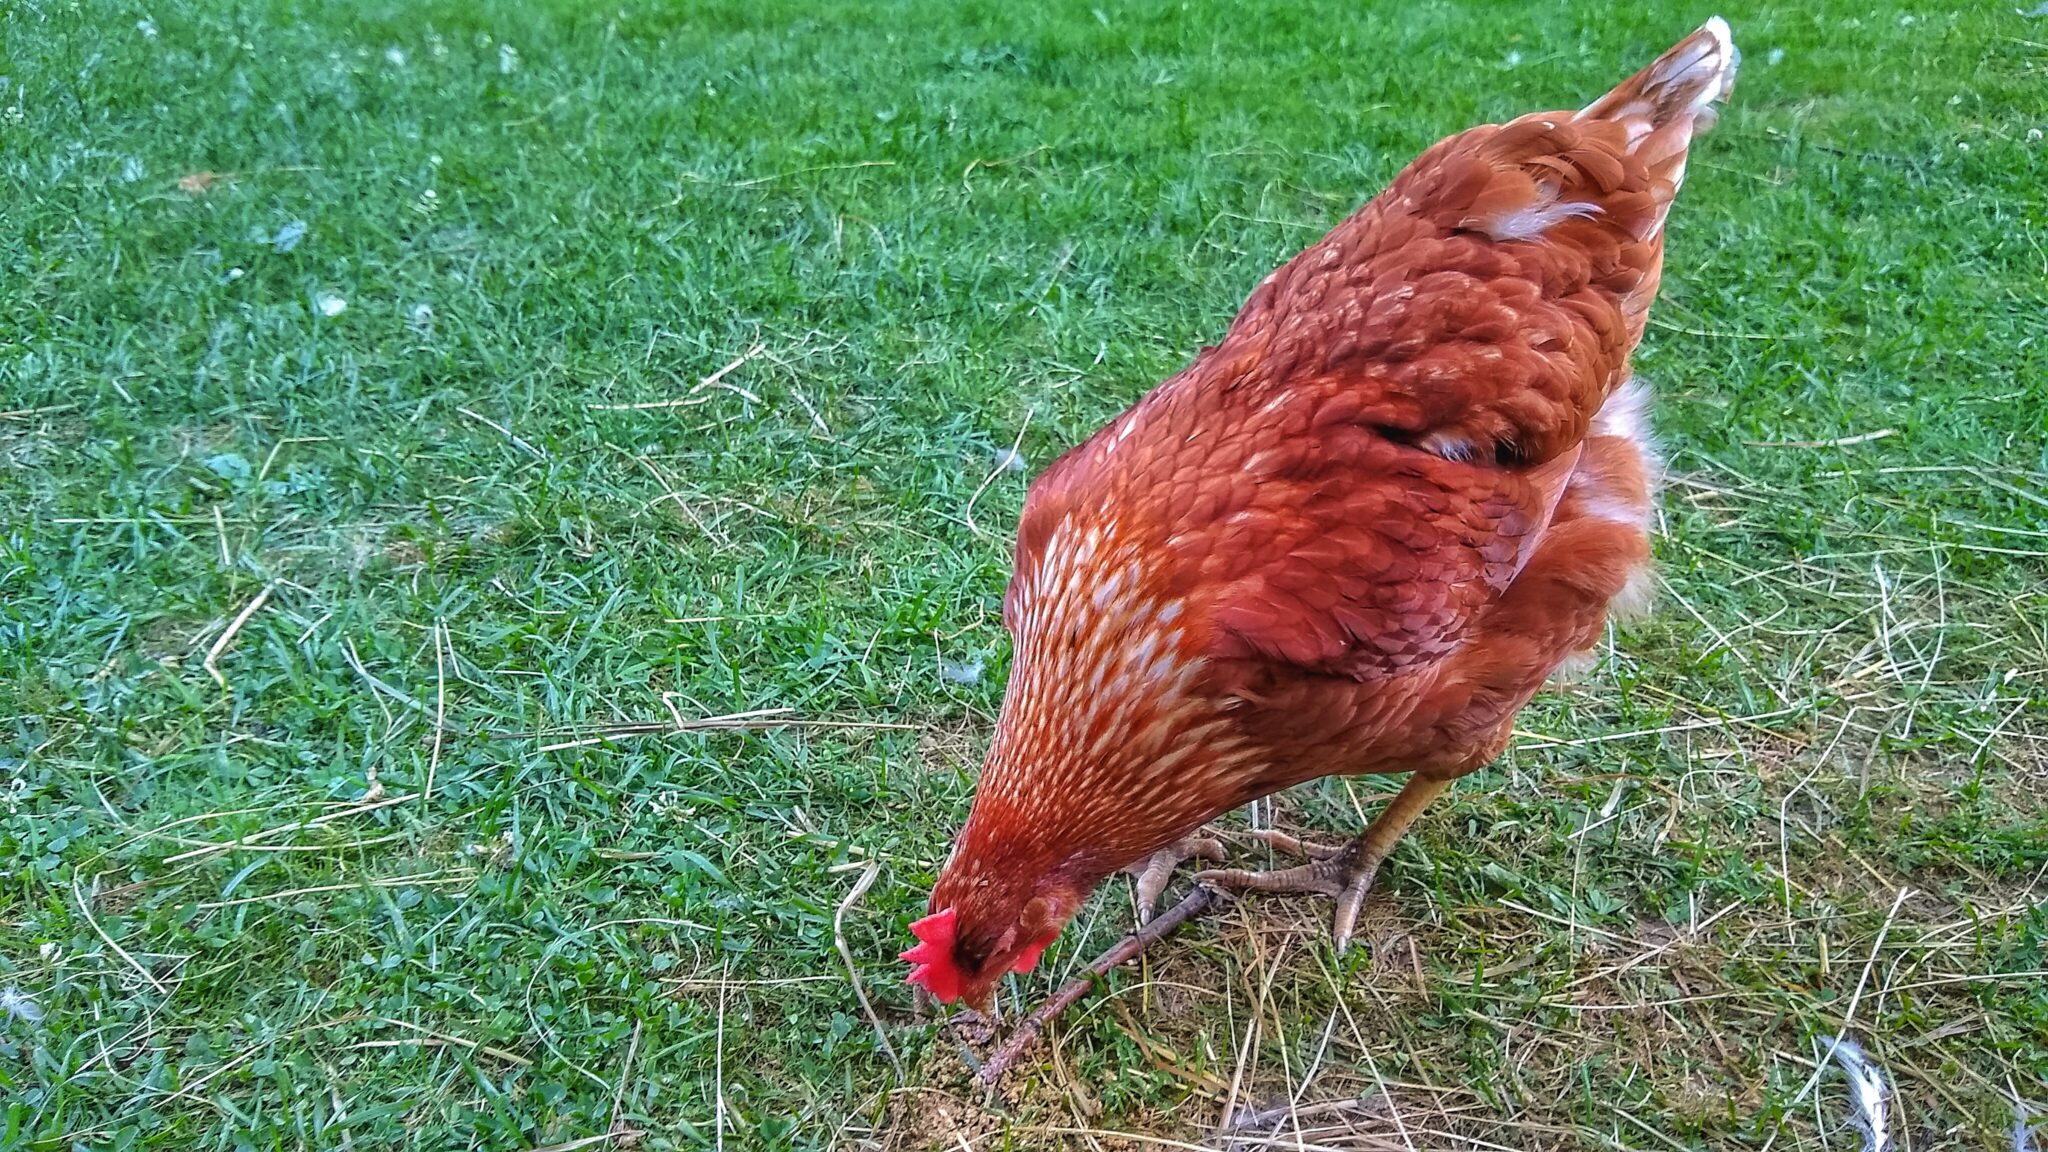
(1668, 103)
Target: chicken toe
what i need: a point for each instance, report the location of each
(1150, 875)
(1295, 846)
(1343, 874)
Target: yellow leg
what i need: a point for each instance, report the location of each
(1344, 874)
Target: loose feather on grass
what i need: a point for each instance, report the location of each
(1870, 1091)
(18, 1005)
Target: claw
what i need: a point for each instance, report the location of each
(1152, 874)
(1344, 918)
(1338, 873)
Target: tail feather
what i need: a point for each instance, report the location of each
(1663, 107)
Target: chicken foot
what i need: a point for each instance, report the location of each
(1344, 874)
(1150, 876)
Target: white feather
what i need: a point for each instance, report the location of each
(1447, 446)
(18, 1005)
(1870, 1092)
(1626, 413)
(1536, 219)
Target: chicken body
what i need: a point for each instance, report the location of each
(1355, 536)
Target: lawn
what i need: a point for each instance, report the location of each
(413, 417)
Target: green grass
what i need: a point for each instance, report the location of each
(933, 225)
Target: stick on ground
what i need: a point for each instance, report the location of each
(860, 889)
(234, 628)
(1192, 905)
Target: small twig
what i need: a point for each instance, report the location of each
(234, 628)
(319, 889)
(973, 164)
(192, 1091)
(265, 833)
(573, 1145)
(759, 180)
(713, 380)
(625, 1074)
(718, 1062)
(817, 421)
(687, 401)
(1656, 322)
(1248, 1045)
(860, 888)
(445, 1038)
(505, 432)
(760, 720)
(220, 531)
(1841, 442)
(85, 910)
(24, 413)
(1393, 1109)
(348, 653)
(1002, 465)
(440, 713)
(1192, 905)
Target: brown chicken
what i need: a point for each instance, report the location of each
(1354, 537)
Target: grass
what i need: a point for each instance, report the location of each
(378, 884)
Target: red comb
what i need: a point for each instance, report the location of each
(931, 961)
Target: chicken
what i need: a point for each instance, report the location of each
(1356, 536)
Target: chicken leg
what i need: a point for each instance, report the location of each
(1344, 874)
(1150, 875)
